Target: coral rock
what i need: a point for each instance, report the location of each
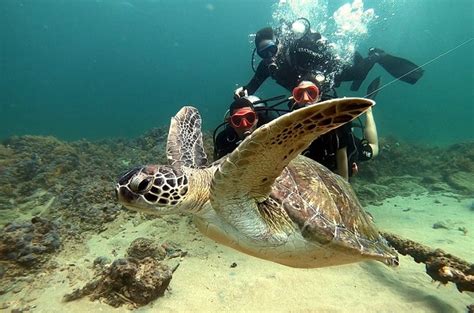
(141, 248)
(128, 281)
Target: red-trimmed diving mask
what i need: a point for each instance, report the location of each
(243, 118)
(306, 92)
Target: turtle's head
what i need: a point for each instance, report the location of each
(155, 189)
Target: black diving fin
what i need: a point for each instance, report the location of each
(399, 68)
(361, 68)
(373, 88)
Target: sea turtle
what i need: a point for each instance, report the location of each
(264, 199)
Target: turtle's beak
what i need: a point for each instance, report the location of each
(124, 195)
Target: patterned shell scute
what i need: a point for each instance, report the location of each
(324, 207)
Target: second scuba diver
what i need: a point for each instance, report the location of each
(339, 150)
(245, 115)
(293, 56)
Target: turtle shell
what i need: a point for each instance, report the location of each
(326, 211)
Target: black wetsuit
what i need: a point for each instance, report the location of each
(323, 149)
(288, 75)
(226, 142)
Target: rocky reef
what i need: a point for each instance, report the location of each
(69, 180)
(404, 168)
(26, 246)
(53, 191)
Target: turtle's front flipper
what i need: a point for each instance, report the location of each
(251, 169)
(184, 145)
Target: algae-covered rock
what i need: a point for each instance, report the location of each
(437, 169)
(28, 244)
(127, 281)
(461, 181)
(141, 248)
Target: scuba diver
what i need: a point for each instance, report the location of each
(245, 115)
(287, 58)
(340, 150)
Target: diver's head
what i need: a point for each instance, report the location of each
(305, 93)
(266, 43)
(308, 91)
(243, 118)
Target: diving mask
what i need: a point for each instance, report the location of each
(306, 92)
(267, 48)
(243, 118)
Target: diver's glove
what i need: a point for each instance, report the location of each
(375, 54)
(240, 92)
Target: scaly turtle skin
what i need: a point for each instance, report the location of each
(264, 199)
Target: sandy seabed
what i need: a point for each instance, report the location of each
(206, 282)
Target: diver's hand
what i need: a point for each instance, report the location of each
(240, 92)
(375, 54)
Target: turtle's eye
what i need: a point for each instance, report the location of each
(140, 184)
(124, 178)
